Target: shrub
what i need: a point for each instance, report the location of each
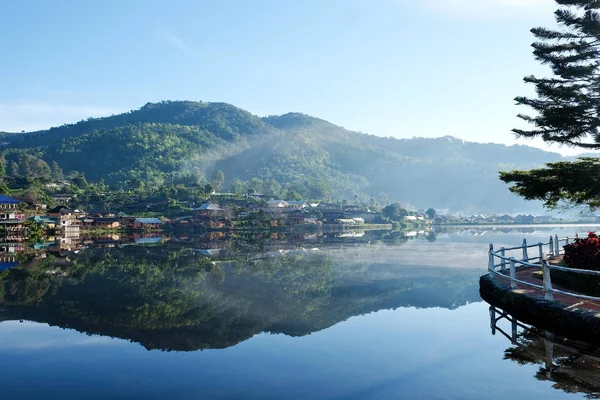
(584, 253)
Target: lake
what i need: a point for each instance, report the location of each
(379, 315)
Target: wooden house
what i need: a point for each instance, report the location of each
(208, 210)
(147, 223)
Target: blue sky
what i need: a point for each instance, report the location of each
(399, 68)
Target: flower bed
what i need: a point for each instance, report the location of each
(583, 253)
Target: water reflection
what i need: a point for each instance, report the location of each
(572, 366)
(192, 293)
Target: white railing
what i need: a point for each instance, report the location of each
(500, 263)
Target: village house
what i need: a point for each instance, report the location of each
(8, 203)
(147, 223)
(43, 221)
(299, 218)
(100, 222)
(276, 206)
(208, 210)
(65, 216)
(62, 197)
(297, 205)
(11, 216)
(58, 184)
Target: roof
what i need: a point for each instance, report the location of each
(8, 200)
(208, 206)
(148, 220)
(157, 239)
(105, 219)
(41, 219)
(60, 209)
(277, 202)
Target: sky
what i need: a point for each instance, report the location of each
(401, 68)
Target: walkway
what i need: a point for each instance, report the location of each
(534, 275)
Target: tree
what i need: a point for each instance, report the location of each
(292, 195)
(237, 186)
(395, 212)
(431, 213)
(566, 106)
(272, 187)
(4, 188)
(56, 171)
(384, 198)
(13, 169)
(217, 179)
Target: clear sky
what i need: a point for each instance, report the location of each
(399, 68)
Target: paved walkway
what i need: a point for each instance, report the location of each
(534, 275)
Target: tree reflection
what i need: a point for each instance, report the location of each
(189, 296)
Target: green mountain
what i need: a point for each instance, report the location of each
(185, 142)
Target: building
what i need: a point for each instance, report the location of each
(276, 205)
(208, 210)
(65, 216)
(62, 197)
(101, 222)
(44, 221)
(298, 205)
(147, 223)
(8, 203)
(299, 218)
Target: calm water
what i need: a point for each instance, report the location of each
(352, 317)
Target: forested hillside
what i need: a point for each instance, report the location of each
(293, 155)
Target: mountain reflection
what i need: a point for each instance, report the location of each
(191, 293)
(572, 366)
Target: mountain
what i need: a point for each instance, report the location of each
(185, 142)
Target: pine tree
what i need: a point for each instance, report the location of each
(567, 107)
(568, 104)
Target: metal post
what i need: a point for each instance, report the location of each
(514, 330)
(503, 261)
(541, 249)
(513, 284)
(547, 281)
(556, 246)
(566, 240)
(551, 246)
(491, 262)
(525, 256)
(493, 319)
